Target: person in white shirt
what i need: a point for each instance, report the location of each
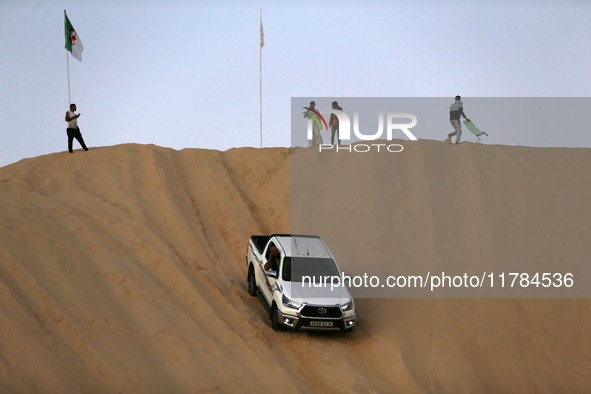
(73, 130)
(316, 126)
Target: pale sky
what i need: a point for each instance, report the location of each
(185, 74)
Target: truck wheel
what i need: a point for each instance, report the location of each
(275, 325)
(252, 286)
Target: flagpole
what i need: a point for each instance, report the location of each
(261, 81)
(67, 65)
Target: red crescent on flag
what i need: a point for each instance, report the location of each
(73, 37)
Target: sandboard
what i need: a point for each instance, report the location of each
(473, 129)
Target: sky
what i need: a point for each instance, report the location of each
(185, 74)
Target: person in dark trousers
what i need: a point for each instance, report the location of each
(334, 124)
(456, 109)
(73, 130)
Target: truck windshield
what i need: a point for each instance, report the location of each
(296, 267)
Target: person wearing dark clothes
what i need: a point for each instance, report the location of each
(272, 259)
(73, 130)
(334, 124)
(456, 109)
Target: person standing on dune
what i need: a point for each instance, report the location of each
(456, 109)
(311, 113)
(334, 124)
(73, 130)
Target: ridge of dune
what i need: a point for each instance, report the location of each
(122, 269)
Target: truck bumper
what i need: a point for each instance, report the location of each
(307, 323)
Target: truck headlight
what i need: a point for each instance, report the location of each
(290, 303)
(347, 306)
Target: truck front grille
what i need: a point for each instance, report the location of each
(321, 311)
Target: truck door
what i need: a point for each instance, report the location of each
(268, 279)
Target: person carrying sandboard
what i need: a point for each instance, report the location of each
(456, 109)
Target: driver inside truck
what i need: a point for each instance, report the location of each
(272, 259)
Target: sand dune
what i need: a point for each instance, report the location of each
(122, 270)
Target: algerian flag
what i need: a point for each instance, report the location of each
(73, 43)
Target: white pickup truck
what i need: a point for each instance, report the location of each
(291, 275)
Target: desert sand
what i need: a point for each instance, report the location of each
(122, 270)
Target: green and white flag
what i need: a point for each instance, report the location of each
(73, 43)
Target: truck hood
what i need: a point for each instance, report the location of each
(338, 295)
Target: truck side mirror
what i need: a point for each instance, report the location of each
(271, 273)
